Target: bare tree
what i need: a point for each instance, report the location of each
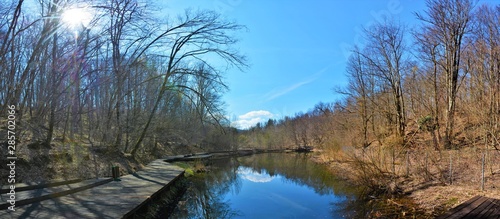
(385, 54)
(195, 36)
(484, 59)
(8, 53)
(360, 87)
(428, 48)
(124, 15)
(449, 21)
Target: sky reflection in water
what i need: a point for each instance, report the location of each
(261, 195)
(267, 186)
(251, 175)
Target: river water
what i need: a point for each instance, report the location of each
(271, 185)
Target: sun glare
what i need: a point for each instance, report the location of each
(75, 17)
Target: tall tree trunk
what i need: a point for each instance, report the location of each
(53, 95)
(138, 143)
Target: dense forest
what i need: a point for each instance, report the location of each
(112, 77)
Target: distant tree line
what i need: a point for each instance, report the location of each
(125, 80)
(440, 79)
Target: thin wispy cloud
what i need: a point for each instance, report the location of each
(283, 91)
(278, 93)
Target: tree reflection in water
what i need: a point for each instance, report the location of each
(204, 197)
(207, 197)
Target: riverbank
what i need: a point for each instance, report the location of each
(424, 181)
(266, 185)
(416, 189)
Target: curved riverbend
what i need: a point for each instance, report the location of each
(271, 185)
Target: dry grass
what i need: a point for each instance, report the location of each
(440, 198)
(436, 189)
(422, 175)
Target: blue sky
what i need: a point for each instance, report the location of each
(297, 50)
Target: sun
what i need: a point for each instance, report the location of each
(76, 17)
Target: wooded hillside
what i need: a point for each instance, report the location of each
(438, 80)
(113, 76)
(421, 102)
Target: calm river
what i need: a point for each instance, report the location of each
(272, 185)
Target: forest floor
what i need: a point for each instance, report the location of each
(78, 159)
(426, 178)
(39, 163)
(440, 198)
